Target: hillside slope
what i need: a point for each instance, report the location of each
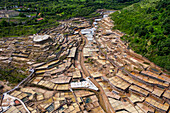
(147, 25)
(51, 11)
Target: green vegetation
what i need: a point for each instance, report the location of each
(89, 61)
(13, 30)
(12, 75)
(88, 100)
(51, 11)
(147, 25)
(62, 57)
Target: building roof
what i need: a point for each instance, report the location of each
(139, 90)
(17, 102)
(63, 87)
(157, 104)
(8, 11)
(12, 109)
(39, 38)
(116, 81)
(88, 31)
(86, 52)
(167, 94)
(72, 52)
(40, 19)
(61, 80)
(96, 74)
(84, 84)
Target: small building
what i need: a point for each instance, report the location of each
(72, 52)
(17, 102)
(84, 84)
(39, 19)
(63, 87)
(50, 108)
(40, 38)
(12, 109)
(8, 13)
(61, 80)
(86, 52)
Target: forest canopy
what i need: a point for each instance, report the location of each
(147, 25)
(51, 11)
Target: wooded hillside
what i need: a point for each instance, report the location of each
(147, 25)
